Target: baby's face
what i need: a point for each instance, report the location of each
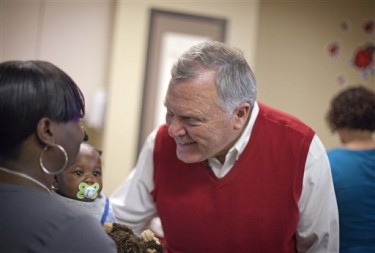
(87, 169)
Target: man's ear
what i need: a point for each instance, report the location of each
(44, 130)
(242, 114)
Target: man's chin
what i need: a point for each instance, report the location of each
(185, 158)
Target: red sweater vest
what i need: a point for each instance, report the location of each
(254, 208)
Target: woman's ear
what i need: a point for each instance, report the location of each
(242, 114)
(44, 130)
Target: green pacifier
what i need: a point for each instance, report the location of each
(87, 191)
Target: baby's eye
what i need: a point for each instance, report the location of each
(97, 173)
(78, 173)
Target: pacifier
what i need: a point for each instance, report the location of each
(87, 191)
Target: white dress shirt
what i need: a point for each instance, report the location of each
(318, 223)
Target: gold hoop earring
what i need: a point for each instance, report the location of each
(41, 159)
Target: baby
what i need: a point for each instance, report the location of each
(81, 184)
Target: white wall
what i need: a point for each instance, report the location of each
(74, 35)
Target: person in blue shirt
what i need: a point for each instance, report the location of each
(352, 116)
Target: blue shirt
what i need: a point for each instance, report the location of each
(353, 173)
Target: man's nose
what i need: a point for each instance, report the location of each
(176, 128)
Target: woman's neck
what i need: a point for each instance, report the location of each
(360, 144)
(20, 178)
(357, 139)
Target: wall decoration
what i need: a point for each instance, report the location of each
(170, 34)
(345, 26)
(341, 80)
(362, 56)
(333, 49)
(363, 60)
(368, 27)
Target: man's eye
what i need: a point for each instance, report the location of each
(191, 121)
(169, 113)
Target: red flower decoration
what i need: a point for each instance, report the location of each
(364, 57)
(333, 49)
(369, 27)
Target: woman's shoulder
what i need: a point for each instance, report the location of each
(44, 221)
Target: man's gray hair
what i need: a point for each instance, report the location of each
(235, 80)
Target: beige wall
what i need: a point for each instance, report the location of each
(74, 35)
(128, 62)
(284, 41)
(293, 69)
